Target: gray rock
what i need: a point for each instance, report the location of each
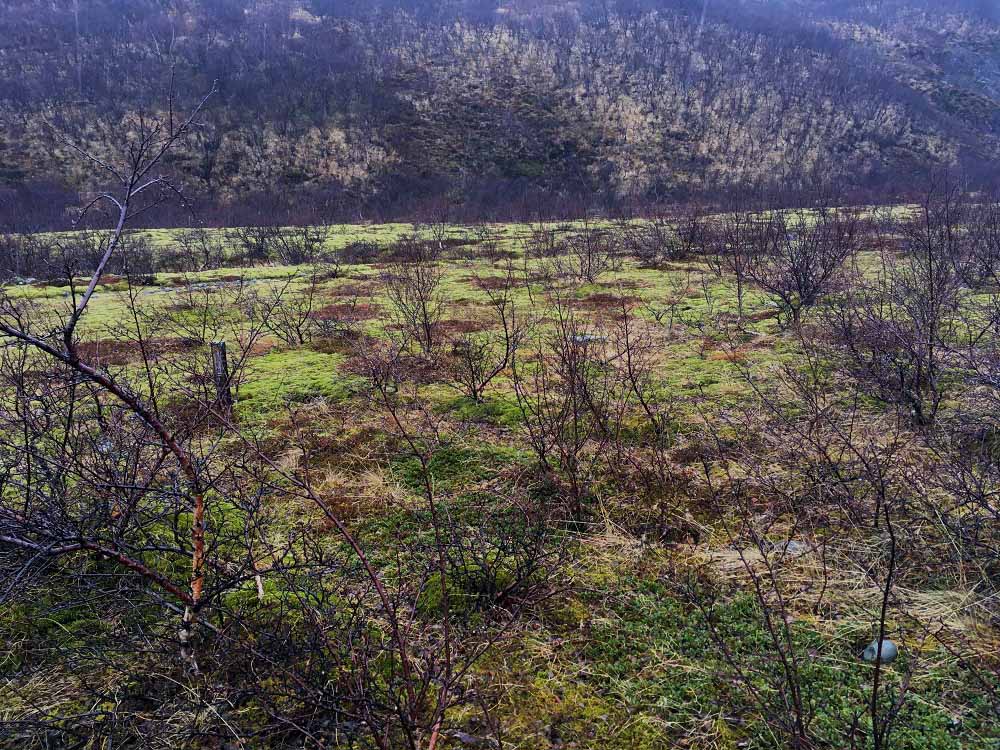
(469, 740)
(792, 548)
(888, 654)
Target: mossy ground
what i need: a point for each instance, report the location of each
(620, 657)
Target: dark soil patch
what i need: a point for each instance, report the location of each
(347, 312)
(345, 342)
(219, 283)
(604, 301)
(486, 282)
(412, 368)
(352, 290)
(114, 352)
(546, 277)
(458, 326)
(624, 284)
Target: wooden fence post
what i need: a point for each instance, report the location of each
(220, 374)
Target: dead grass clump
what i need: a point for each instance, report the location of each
(830, 583)
(762, 315)
(737, 355)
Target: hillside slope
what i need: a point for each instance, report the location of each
(395, 108)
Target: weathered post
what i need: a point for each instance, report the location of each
(220, 374)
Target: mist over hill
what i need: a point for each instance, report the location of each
(479, 109)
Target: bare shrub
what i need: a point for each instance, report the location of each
(589, 254)
(892, 331)
(410, 248)
(660, 240)
(207, 312)
(254, 243)
(342, 320)
(644, 433)
(195, 250)
(288, 311)
(811, 470)
(28, 256)
(487, 240)
(543, 242)
(478, 358)
(730, 252)
(361, 252)
(797, 257)
(295, 246)
(982, 260)
(565, 392)
(668, 310)
(414, 291)
(493, 559)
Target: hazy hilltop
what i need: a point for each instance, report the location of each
(402, 107)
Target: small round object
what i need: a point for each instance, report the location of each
(888, 654)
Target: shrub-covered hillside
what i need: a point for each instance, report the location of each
(392, 108)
